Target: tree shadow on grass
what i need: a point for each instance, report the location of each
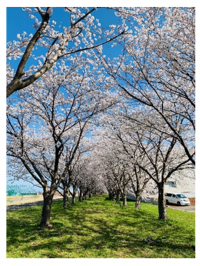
(133, 232)
(107, 236)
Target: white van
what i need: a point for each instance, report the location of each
(176, 198)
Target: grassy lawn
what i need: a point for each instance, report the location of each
(100, 228)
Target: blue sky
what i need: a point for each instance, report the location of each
(19, 21)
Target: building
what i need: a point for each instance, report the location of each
(178, 184)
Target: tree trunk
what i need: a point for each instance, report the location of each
(65, 199)
(74, 198)
(85, 197)
(138, 201)
(161, 202)
(111, 196)
(86, 194)
(80, 198)
(124, 200)
(74, 195)
(118, 197)
(47, 202)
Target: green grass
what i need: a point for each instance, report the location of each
(100, 228)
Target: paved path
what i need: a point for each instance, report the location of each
(16, 207)
(183, 208)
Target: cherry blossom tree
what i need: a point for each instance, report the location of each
(118, 161)
(118, 171)
(139, 184)
(163, 157)
(149, 155)
(121, 133)
(82, 33)
(45, 126)
(86, 177)
(157, 68)
(75, 172)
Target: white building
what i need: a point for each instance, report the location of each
(183, 183)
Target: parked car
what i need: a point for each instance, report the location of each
(176, 198)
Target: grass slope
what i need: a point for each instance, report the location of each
(100, 228)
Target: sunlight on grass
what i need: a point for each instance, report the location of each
(99, 228)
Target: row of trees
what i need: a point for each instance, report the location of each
(137, 157)
(47, 127)
(103, 124)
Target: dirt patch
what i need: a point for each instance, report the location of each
(192, 201)
(18, 200)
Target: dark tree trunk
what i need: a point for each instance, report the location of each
(74, 195)
(46, 210)
(118, 197)
(86, 194)
(85, 197)
(138, 201)
(74, 198)
(80, 198)
(161, 202)
(111, 196)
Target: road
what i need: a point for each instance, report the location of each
(182, 208)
